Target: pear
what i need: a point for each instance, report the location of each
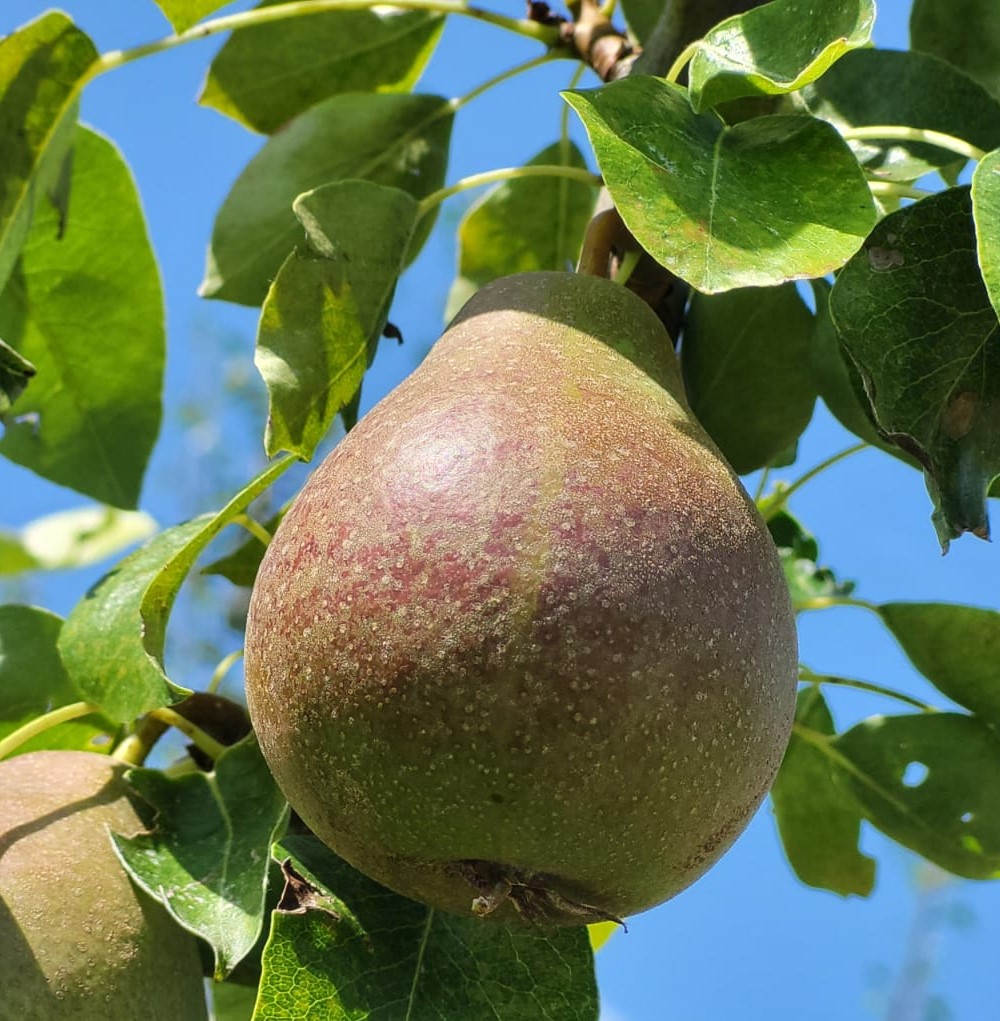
(522, 647)
(77, 939)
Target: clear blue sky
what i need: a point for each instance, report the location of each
(748, 940)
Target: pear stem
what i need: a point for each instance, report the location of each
(212, 748)
(219, 674)
(255, 528)
(43, 723)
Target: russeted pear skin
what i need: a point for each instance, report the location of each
(77, 940)
(522, 647)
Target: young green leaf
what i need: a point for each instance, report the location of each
(528, 223)
(113, 641)
(85, 306)
(182, 14)
(932, 783)
(15, 372)
(890, 87)
(957, 648)
(400, 141)
(818, 819)
(986, 211)
(966, 33)
(207, 858)
(41, 65)
(326, 310)
(771, 199)
(33, 681)
(339, 939)
(745, 362)
(265, 76)
(913, 313)
(776, 48)
(799, 553)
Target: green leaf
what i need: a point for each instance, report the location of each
(41, 65)
(819, 821)
(771, 199)
(326, 309)
(400, 141)
(966, 33)
(528, 223)
(747, 374)
(875, 87)
(914, 315)
(15, 372)
(207, 858)
(33, 682)
(932, 783)
(265, 76)
(231, 1002)
(113, 640)
(85, 306)
(799, 554)
(341, 940)
(776, 48)
(986, 211)
(957, 648)
(182, 14)
(74, 538)
(240, 567)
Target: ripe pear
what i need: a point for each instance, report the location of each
(522, 647)
(77, 939)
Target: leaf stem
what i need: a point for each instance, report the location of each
(774, 503)
(808, 676)
(892, 189)
(223, 668)
(212, 748)
(499, 79)
(903, 133)
(828, 602)
(505, 174)
(629, 261)
(43, 723)
(683, 59)
(255, 528)
(548, 35)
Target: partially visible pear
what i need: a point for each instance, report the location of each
(77, 940)
(522, 647)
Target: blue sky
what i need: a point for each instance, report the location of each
(748, 940)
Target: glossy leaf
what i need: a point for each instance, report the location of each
(747, 374)
(776, 48)
(771, 199)
(818, 819)
(874, 87)
(339, 939)
(74, 538)
(207, 858)
(957, 648)
(932, 783)
(113, 641)
(915, 317)
(41, 65)
(400, 141)
(986, 211)
(15, 373)
(529, 223)
(799, 554)
(265, 76)
(182, 14)
(85, 306)
(326, 310)
(33, 682)
(966, 33)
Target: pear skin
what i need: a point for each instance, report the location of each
(77, 939)
(522, 648)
